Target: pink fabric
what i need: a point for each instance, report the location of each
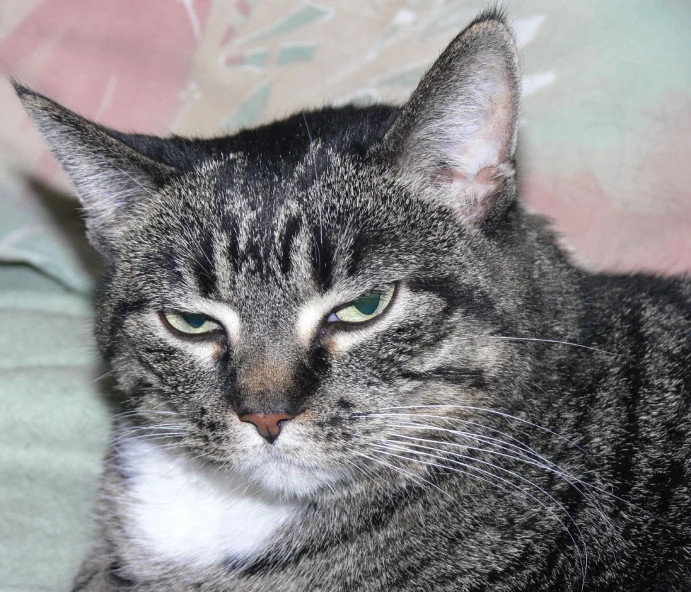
(620, 192)
(122, 62)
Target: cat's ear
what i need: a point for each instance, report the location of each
(109, 176)
(457, 133)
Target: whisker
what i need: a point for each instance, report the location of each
(522, 458)
(555, 341)
(149, 436)
(152, 427)
(519, 447)
(102, 376)
(491, 411)
(583, 559)
(552, 468)
(417, 479)
(366, 472)
(135, 412)
(314, 165)
(590, 486)
(489, 464)
(520, 455)
(148, 433)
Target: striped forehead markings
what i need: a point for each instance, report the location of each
(289, 235)
(217, 254)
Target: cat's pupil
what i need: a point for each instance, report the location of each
(367, 304)
(193, 320)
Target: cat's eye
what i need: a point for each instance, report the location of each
(191, 323)
(364, 308)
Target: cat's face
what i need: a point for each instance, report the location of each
(272, 281)
(308, 294)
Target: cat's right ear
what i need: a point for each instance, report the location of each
(456, 136)
(109, 177)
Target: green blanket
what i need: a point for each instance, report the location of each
(53, 420)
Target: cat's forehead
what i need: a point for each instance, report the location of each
(235, 231)
(324, 191)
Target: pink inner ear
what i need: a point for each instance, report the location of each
(444, 176)
(485, 181)
(472, 194)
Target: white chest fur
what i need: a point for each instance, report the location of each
(184, 512)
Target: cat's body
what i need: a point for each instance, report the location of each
(503, 421)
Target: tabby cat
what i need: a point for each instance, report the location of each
(350, 359)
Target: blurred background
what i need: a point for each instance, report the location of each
(605, 150)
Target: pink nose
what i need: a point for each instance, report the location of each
(268, 424)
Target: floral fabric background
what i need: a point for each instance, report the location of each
(605, 142)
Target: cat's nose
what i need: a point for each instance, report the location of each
(268, 424)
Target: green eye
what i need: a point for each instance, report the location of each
(191, 323)
(364, 308)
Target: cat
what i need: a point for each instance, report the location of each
(351, 359)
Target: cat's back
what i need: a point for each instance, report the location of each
(639, 397)
(643, 314)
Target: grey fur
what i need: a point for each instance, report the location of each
(524, 423)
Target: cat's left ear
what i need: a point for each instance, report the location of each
(457, 133)
(109, 176)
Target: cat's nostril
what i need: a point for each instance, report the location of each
(268, 424)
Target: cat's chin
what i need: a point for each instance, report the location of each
(272, 475)
(286, 477)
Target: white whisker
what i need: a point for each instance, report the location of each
(583, 559)
(555, 341)
(102, 376)
(314, 165)
(590, 486)
(491, 411)
(551, 467)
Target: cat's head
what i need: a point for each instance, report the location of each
(317, 275)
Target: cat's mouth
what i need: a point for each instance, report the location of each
(290, 465)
